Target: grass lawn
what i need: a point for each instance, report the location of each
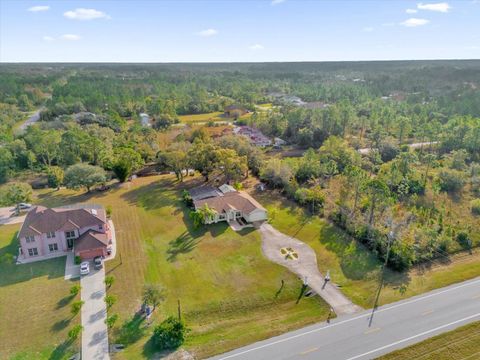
(34, 305)
(462, 343)
(353, 267)
(213, 116)
(230, 294)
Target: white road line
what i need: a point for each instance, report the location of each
(413, 337)
(352, 319)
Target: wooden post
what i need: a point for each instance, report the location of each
(179, 311)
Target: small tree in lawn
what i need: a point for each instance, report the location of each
(84, 175)
(75, 289)
(76, 307)
(110, 300)
(74, 332)
(55, 176)
(153, 295)
(109, 280)
(170, 334)
(203, 215)
(111, 320)
(16, 193)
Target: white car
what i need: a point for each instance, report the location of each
(84, 268)
(24, 206)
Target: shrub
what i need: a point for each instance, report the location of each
(475, 204)
(111, 320)
(77, 260)
(74, 332)
(170, 334)
(75, 289)
(464, 240)
(109, 280)
(109, 211)
(76, 306)
(110, 300)
(451, 180)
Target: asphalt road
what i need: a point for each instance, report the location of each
(393, 326)
(31, 120)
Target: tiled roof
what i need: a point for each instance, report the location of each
(91, 240)
(41, 220)
(238, 200)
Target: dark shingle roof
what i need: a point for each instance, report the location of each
(41, 220)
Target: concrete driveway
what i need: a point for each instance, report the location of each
(94, 313)
(305, 267)
(7, 218)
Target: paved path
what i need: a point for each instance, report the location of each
(393, 327)
(6, 217)
(94, 312)
(72, 271)
(31, 120)
(305, 266)
(365, 151)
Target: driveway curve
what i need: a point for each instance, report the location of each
(304, 267)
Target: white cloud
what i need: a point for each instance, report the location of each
(48, 38)
(411, 11)
(85, 14)
(440, 7)
(208, 32)
(38, 8)
(368, 29)
(414, 22)
(256, 47)
(276, 2)
(70, 37)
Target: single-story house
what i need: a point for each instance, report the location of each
(51, 232)
(230, 205)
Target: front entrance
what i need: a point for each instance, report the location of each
(70, 244)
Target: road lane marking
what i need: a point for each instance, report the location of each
(414, 336)
(428, 312)
(367, 314)
(309, 351)
(371, 331)
(476, 296)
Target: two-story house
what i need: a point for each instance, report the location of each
(51, 232)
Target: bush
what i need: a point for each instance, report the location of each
(77, 260)
(464, 240)
(75, 289)
(475, 204)
(111, 320)
(76, 307)
(74, 332)
(451, 180)
(109, 211)
(109, 280)
(170, 334)
(110, 300)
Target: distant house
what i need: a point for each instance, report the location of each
(279, 142)
(51, 232)
(234, 111)
(145, 120)
(228, 204)
(255, 136)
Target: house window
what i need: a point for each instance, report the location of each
(100, 227)
(32, 252)
(221, 217)
(69, 234)
(29, 239)
(50, 235)
(53, 247)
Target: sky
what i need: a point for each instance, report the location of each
(237, 31)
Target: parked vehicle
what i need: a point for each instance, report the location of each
(109, 250)
(84, 268)
(98, 262)
(24, 206)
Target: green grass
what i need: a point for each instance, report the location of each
(213, 116)
(230, 294)
(462, 343)
(34, 305)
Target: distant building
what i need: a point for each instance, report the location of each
(145, 120)
(234, 111)
(255, 136)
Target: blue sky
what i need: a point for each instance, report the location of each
(217, 31)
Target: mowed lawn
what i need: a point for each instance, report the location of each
(229, 294)
(34, 305)
(207, 117)
(356, 269)
(460, 344)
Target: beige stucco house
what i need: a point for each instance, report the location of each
(52, 232)
(228, 204)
